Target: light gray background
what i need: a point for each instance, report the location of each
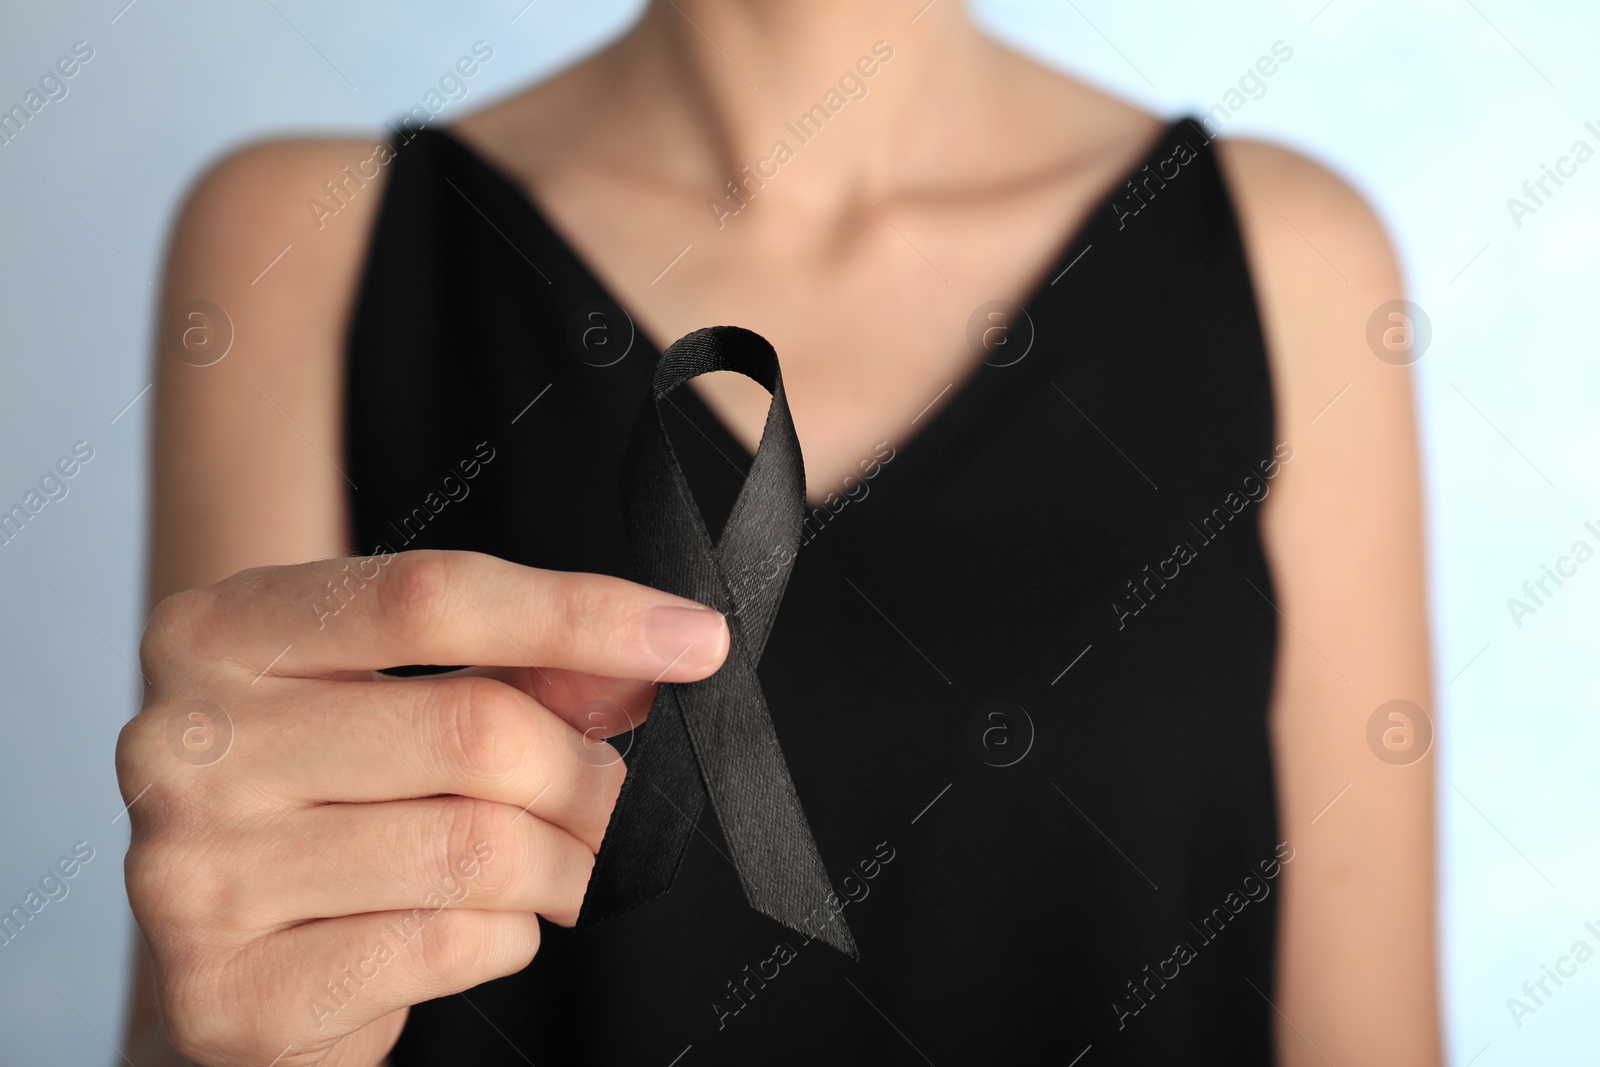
(1438, 111)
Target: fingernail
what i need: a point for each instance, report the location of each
(691, 639)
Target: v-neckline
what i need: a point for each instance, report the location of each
(945, 414)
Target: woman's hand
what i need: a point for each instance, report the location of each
(314, 848)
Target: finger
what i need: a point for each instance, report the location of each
(319, 742)
(449, 607)
(440, 852)
(598, 707)
(320, 981)
(370, 1044)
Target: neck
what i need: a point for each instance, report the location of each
(729, 80)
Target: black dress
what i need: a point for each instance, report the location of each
(1021, 673)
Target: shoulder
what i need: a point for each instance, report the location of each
(1296, 214)
(268, 195)
(262, 268)
(276, 231)
(1323, 272)
(1277, 190)
(1322, 265)
(274, 234)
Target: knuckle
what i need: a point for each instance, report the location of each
(142, 873)
(138, 748)
(453, 947)
(176, 889)
(181, 894)
(467, 821)
(199, 999)
(173, 629)
(484, 731)
(195, 1028)
(189, 1034)
(469, 828)
(413, 594)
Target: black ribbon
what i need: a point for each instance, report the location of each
(714, 738)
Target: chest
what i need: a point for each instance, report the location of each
(879, 314)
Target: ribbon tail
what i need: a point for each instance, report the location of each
(654, 820)
(757, 807)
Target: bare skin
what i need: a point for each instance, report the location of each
(861, 261)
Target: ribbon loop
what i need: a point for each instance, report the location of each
(715, 738)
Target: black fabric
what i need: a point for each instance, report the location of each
(714, 738)
(1019, 886)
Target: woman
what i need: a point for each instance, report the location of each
(1098, 456)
